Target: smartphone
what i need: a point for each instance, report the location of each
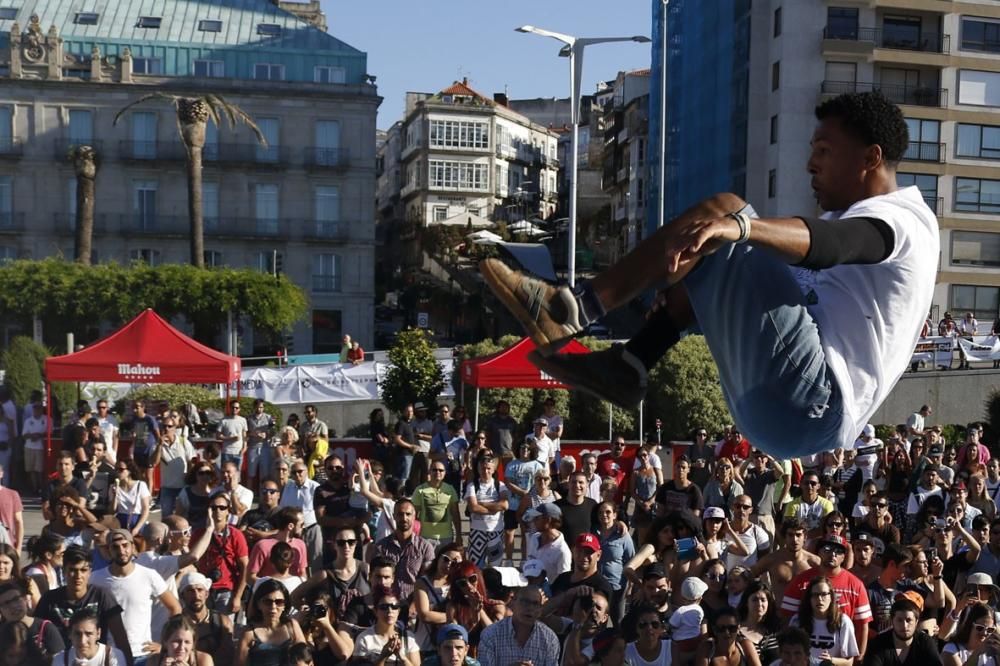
(931, 554)
(686, 549)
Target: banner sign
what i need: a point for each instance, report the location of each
(934, 351)
(981, 348)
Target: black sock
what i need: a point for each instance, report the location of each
(654, 339)
(591, 309)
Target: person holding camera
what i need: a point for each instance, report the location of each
(226, 560)
(318, 619)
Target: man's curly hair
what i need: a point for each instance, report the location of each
(872, 118)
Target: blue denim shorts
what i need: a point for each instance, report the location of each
(773, 370)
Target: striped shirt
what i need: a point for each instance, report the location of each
(498, 646)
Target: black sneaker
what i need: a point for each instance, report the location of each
(614, 374)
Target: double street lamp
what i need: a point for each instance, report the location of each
(574, 50)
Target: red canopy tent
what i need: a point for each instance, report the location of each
(511, 368)
(147, 350)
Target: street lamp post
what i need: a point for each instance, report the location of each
(574, 49)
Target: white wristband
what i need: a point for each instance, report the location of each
(743, 220)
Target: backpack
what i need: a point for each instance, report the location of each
(475, 484)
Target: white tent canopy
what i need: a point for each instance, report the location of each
(463, 220)
(484, 237)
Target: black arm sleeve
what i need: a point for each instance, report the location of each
(853, 240)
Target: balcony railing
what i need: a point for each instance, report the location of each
(924, 151)
(550, 161)
(324, 230)
(928, 42)
(327, 158)
(11, 147)
(246, 227)
(10, 221)
(151, 151)
(63, 222)
(63, 146)
(914, 95)
(154, 224)
(245, 153)
(936, 204)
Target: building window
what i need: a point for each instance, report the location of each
(973, 248)
(143, 135)
(147, 66)
(210, 25)
(6, 201)
(270, 128)
(926, 183)
(211, 150)
(86, 18)
(327, 210)
(213, 259)
(777, 22)
(459, 175)
(902, 32)
(326, 273)
(775, 75)
(326, 331)
(214, 69)
(9, 254)
(81, 127)
(8, 13)
(210, 205)
(148, 256)
(977, 195)
(268, 72)
(144, 204)
(982, 141)
(772, 184)
(980, 35)
(978, 87)
(982, 302)
(266, 208)
(329, 74)
(6, 129)
(925, 140)
(149, 22)
(270, 261)
(459, 134)
(640, 157)
(327, 142)
(440, 213)
(269, 29)
(774, 129)
(841, 23)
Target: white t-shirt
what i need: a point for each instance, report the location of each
(841, 643)
(130, 501)
(918, 498)
(756, 539)
(633, 657)
(109, 428)
(33, 426)
(135, 594)
(555, 422)
(654, 462)
(870, 316)
(167, 567)
(963, 654)
(546, 448)
(368, 646)
(686, 622)
(174, 462)
(487, 493)
(233, 426)
(916, 421)
(117, 657)
(555, 557)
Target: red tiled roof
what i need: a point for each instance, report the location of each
(462, 88)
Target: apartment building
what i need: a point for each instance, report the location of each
(303, 204)
(462, 154)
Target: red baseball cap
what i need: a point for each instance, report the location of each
(834, 540)
(588, 540)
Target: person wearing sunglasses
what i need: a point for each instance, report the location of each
(467, 601)
(834, 524)
(225, 562)
(272, 629)
(256, 523)
(307, 494)
(649, 648)
(437, 507)
(810, 506)
(382, 642)
(725, 644)
(288, 522)
(411, 552)
(852, 598)
(192, 502)
(976, 641)
(175, 452)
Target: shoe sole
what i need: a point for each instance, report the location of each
(544, 345)
(558, 373)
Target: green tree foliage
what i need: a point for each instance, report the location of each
(77, 297)
(414, 373)
(684, 390)
(22, 363)
(177, 395)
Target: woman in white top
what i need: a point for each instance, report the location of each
(864, 504)
(382, 643)
(831, 633)
(976, 641)
(487, 500)
(132, 497)
(650, 649)
(85, 649)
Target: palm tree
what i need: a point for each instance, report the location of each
(193, 114)
(84, 160)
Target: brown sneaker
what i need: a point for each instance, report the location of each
(549, 314)
(613, 374)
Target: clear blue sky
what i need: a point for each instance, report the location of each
(425, 46)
